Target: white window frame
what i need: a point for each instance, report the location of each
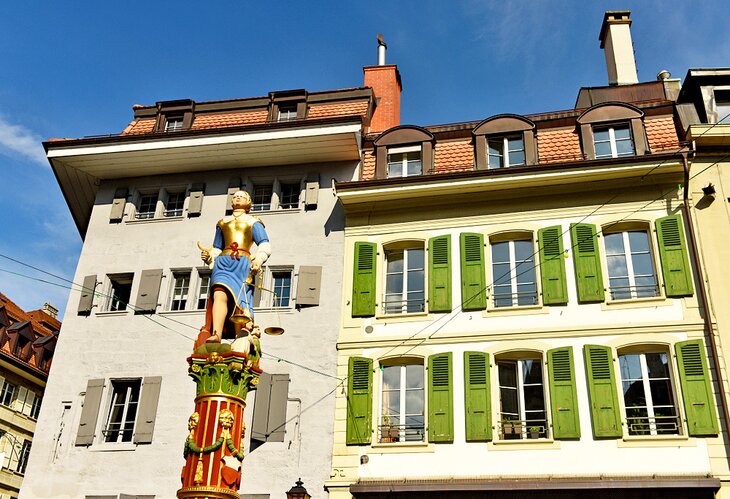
(275, 198)
(286, 112)
(516, 270)
(203, 278)
(651, 423)
(266, 274)
(404, 292)
(180, 293)
(166, 196)
(721, 104)
(406, 151)
(111, 303)
(612, 140)
(8, 391)
(631, 276)
(174, 123)
(161, 211)
(521, 426)
(125, 411)
(23, 455)
(504, 156)
(146, 214)
(386, 432)
(35, 408)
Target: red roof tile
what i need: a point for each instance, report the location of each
(453, 156)
(662, 134)
(559, 144)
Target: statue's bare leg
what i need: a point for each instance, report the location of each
(220, 311)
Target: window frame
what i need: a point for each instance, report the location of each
(7, 392)
(403, 136)
(386, 433)
(165, 195)
(505, 152)
(520, 428)
(625, 230)
(611, 114)
(612, 140)
(203, 277)
(408, 154)
(403, 247)
(274, 201)
(113, 301)
(109, 406)
(265, 300)
(515, 269)
(184, 300)
(504, 126)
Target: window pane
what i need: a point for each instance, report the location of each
(147, 206)
(282, 288)
(507, 374)
(622, 133)
(391, 377)
(614, 243)
(516, 149)
(175, 203)
(661, 392)
(290, 196)
(517, 158)
(630, 366)
(262, 197)
(495, 147)
(414, 167)
(657, 364)
(415, 258)
(414, 376)
(394, 284)
(500, 252)
(395, 261)
(601, 136)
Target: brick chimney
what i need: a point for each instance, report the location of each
(616, 42)
(385, 81)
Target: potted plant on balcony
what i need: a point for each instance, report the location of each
(388, 432)
(535, 431)
(507, 427)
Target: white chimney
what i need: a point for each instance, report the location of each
(381, 51)
(616, 43)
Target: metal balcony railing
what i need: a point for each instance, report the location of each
(389, 433)
(632, 292)
(522, 429)
(657, 425)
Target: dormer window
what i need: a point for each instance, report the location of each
(404, 151)
(613, 141)
(287, 113)
(612, 130)
(504, 141)
(722, 106)
(174, 115)
(288, 105)
(404, 161)
(174, 124)
(506, 151)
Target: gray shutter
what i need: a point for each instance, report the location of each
(233, 186)
(311, 192)
(195, 205)
(257, 283)
(132, 496)
(89, 412)
(149, 290)
(269, 411)
(86, 302)
(147, 411)
(308, 285)
(118, 205)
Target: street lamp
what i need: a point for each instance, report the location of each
(298, 491)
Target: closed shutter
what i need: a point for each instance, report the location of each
(118, 205)
(149, 290)
(195, 205)
(673, 253)
(605, 413)
(308, 284)
(440, 399)
(363, 282)
(473, 276)
(587, 261)
(552, 266)
(86, 302)
(147, 411)
(699, 405)
(89, 412)
(477, 403)
(439, 274)
(359, 400)
(563, 394)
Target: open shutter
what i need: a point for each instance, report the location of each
(552, 266)
(439, 274)
(477, 403)
(118, 205)
(147, 411)
(89, 412)
(363, 281)
(149, 290)
(605, 412)
(563, 395)
(673, 253)
(86, 302)
(699, 405)
(308, 284)
(473, 277)
(268, 423)
(195, 205)
(311, 191)
(440, 399)
(587, 260)
(359, 401)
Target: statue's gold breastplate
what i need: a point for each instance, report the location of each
(238, 230)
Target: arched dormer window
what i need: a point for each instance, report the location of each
(612, 130)
(403, 151)
(504, 140)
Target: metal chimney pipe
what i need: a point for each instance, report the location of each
(381, 51)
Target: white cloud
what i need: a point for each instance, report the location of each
(16, 139)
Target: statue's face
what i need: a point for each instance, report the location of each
(241, 200)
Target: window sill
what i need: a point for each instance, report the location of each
(657, 441)
(182, 312)
(655, 301)
(113, 447)
(413, 317)
(155, 220)
(278, 310)
(519, 310)
(526, 444)
(403, 448)
(275, 211)
(112, 313)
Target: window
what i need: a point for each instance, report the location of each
(522, 399)
(120, 289)
(404, 162)
(147, 206)
(287, 112)
(282, 288)
(7, 396)
(402, 403)
(506, 151)
(513, 273)
(289, 196)
(276, 287)
(174, 204)
(648, 395)
(174, 124)
(23, 457)
(203, 288)
(404, 281)
(630, 265)
(262, 197)
(613, 142)
(180, 291)
(20, 344)
(119, 424)
(35, 409)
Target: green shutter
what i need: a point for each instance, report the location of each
(673, 253)
(473, 276)
(477, 403)
(363, 281)
(699, 405)
(440, 399)
(552, 266)
(439, 274)
(587, 260)
(359, 400)
(563, 395)
(605, 412)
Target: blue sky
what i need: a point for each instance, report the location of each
(71, 69)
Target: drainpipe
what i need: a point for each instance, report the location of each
(703, 294)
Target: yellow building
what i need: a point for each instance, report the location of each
(521, 312)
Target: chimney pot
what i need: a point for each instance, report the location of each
(382, 47)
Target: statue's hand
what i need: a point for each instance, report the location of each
(255, 266)
(205, 256)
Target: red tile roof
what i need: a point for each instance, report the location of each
(39, 321)
(453, 156)
(662, 134)
(558, 144)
